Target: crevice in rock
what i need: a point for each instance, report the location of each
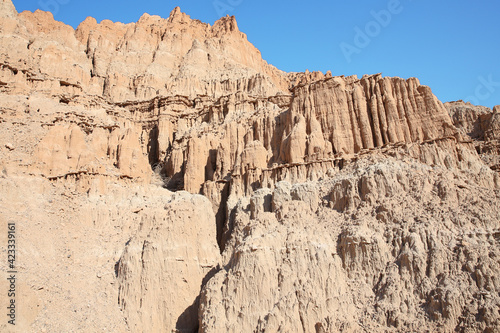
(221, 218)
(190, 315)
(153, 147)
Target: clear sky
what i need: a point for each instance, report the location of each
(453, 46)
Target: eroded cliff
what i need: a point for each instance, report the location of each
(164, 177)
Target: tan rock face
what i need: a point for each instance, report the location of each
(7, 9)
(136, 61)
(304, 265)
(481, 125)
(371, 112)
(166, 263)
(68, 150)
(318, 203)
(323, 120)
(472, 120)
(492, 132)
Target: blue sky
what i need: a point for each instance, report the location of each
(451, 46)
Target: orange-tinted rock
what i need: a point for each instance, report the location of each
(337, 203)
(68, 150)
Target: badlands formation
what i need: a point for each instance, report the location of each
(162, 177)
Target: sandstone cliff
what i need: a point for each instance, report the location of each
(136, 61)
(387, 244)
(164, 177)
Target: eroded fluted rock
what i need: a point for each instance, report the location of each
(67, 150)
(402, 265)
(338, 203)
(165, 265)
(371, 112)
(493, 130)
(324, 119)
(135, 61)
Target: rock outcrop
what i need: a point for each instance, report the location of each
(387, 244)
(165, 265)
(68, 150)
(481, 125)
(163, 177)
(322, 120)
(136, 61)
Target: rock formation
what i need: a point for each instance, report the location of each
(164, 266)
(164, 177)
(367, 257)
(482, 126)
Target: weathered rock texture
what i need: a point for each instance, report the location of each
(482, 126)
(165, 264)
(387, 244)
(136, 61)
(304, 201)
